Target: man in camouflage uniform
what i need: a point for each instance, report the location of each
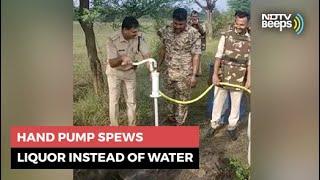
(232, 65)
(122, 49)
(194, 22)
(182, 46)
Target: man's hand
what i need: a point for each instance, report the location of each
(197, 26)
(215, 79)
(195, 21)
(126, 60)
(193, 81)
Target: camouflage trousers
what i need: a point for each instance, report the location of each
(180, 90)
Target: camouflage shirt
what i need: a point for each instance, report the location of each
(203, 34)
(179, 49)
(234, 52)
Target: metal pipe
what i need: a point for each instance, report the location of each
(156, 119)
(249, 139)
(155, 85)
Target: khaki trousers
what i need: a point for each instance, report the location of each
(220, 96)
(125, 80)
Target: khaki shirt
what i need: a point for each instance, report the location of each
(118, 46)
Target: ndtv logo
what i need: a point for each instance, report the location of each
(276, 16)
(283, 21)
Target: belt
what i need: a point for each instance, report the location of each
(240, 62)
(133, 67)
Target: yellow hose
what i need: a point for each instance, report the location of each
(203, 94)
(236, 86)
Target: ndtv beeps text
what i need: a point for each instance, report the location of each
(278, 21)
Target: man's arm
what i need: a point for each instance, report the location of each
(113, 57)
(195, 64)
(248, 82)
(115, 62)
(161, 54)
(195, 67)
(121, 60)
(215, 77)
(196, 52)
(202, 31)
(217, 62)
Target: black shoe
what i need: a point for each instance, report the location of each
(232, 134)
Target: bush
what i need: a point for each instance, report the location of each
(220, 22)
(241, 172)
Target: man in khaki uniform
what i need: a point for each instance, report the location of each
(122, 49)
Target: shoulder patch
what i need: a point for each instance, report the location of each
(114, 37)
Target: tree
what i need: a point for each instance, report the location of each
(115, 11)
(86, 19)
(209, 9)
(240, 5)
(221, 21)
(90, 11)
